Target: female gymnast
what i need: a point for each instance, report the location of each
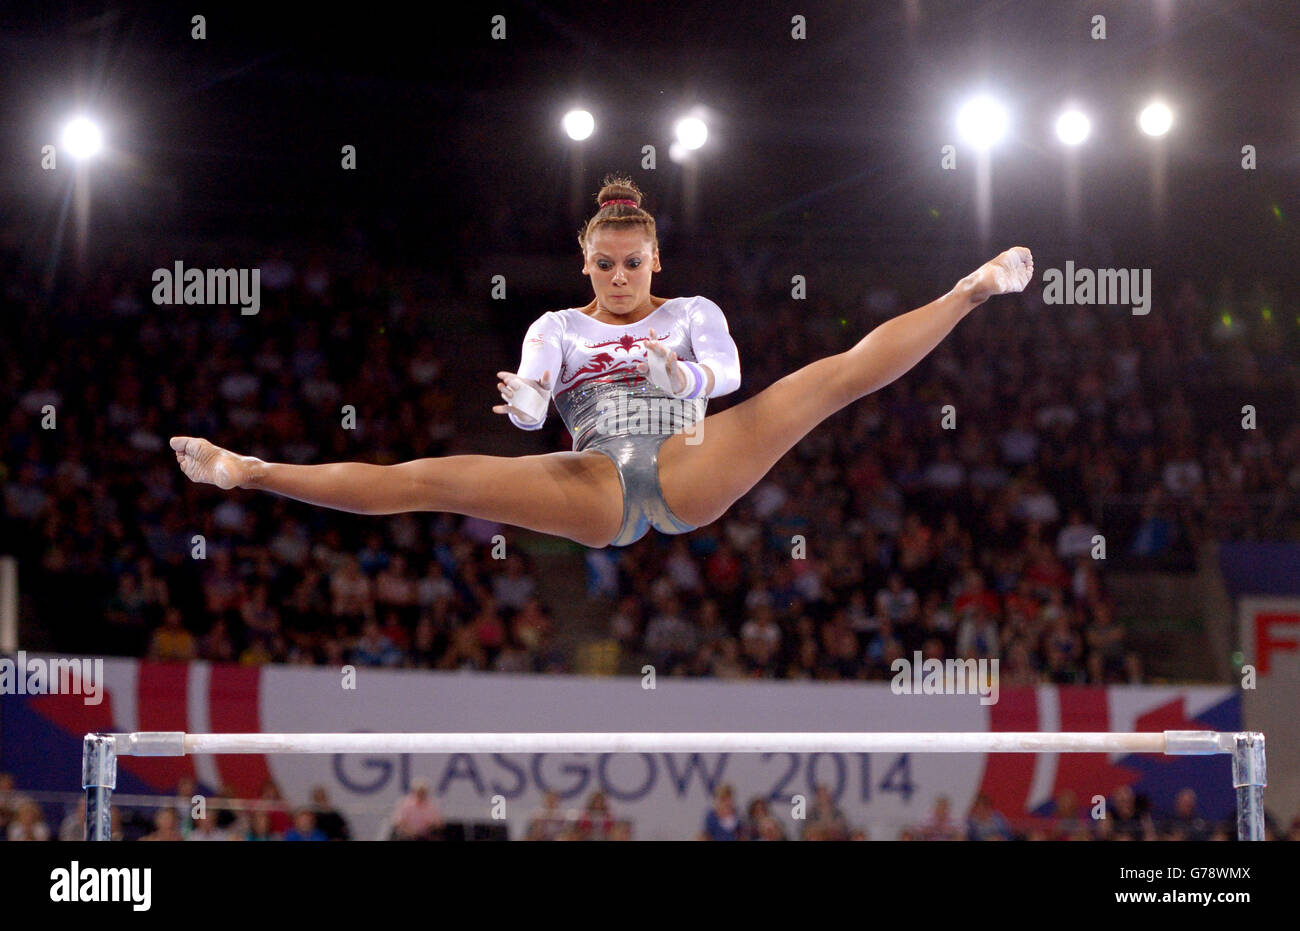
(628, 471)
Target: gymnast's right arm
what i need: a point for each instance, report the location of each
(540, 362)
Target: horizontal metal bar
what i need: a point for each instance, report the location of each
(176, 743)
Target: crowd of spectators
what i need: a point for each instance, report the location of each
(418, 817)
(956, 512)
(220, 817)
(971, 509)
(121, 555)
(1126, 816)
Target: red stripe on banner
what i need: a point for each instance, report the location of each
(1087, 775)
(71, 714)
(1008, 776)
(1171, 716)
(234, 707)
(162, 695)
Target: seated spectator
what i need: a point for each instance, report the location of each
(825, 820)
(259, 827)
(755, 814)
(1075, 538)
(722, 821)
(395, 589)
(374, 649)
(668, 636)
(512, 588)
(1186, 823)
(1066, 822)
(985, 823)
(1157, 533)
(166, 826)
(549, 820)
(769, 828)
(1127, 821)
(882, 649)
(172, 642)
(897, 603)
(304, 827)
(531, 626)
(207, 829)
(974, 595)
(28, 822)
(351, 593)
(490, 630)
(977, 637)
(417, 816)
(216, 646)
(941, 826)
(726, 662)
(1105, 640)
(595, 822)
(331, 823)
(275, 807)
(760, 637)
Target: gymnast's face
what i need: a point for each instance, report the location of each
(620, 263)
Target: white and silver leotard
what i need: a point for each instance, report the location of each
(611, 408)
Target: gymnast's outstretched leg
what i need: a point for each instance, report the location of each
(740, 445)
(572, 495)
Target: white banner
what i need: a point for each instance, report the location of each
(664, 795)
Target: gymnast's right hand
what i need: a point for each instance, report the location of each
(526, 398)
(206, 463)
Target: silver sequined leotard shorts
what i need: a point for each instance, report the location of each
(627, 418)
(637, 461)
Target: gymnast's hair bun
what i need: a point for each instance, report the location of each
(619, 187)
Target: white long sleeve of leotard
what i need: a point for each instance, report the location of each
(541, 354)
(575, 347)
(713, 346)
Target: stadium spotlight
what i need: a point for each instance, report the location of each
(1073, 127)
(579, 124)
(1155, 119)
(691, 132)
(82, 139)
(982, 122)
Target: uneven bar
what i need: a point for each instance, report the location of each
(1247, 748)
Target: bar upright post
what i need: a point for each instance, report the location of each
(99, 779)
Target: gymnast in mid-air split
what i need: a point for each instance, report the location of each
(628, 472)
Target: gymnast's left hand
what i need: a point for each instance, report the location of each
(674, 370)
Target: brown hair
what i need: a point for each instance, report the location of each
(621, 216)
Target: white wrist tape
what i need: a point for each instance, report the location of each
(530, 401)
(657, 372)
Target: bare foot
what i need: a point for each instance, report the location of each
(1005, 274)
(209, 464)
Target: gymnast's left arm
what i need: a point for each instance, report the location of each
(714, 348)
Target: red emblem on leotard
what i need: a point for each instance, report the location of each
(598, 364)
(604, 363)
